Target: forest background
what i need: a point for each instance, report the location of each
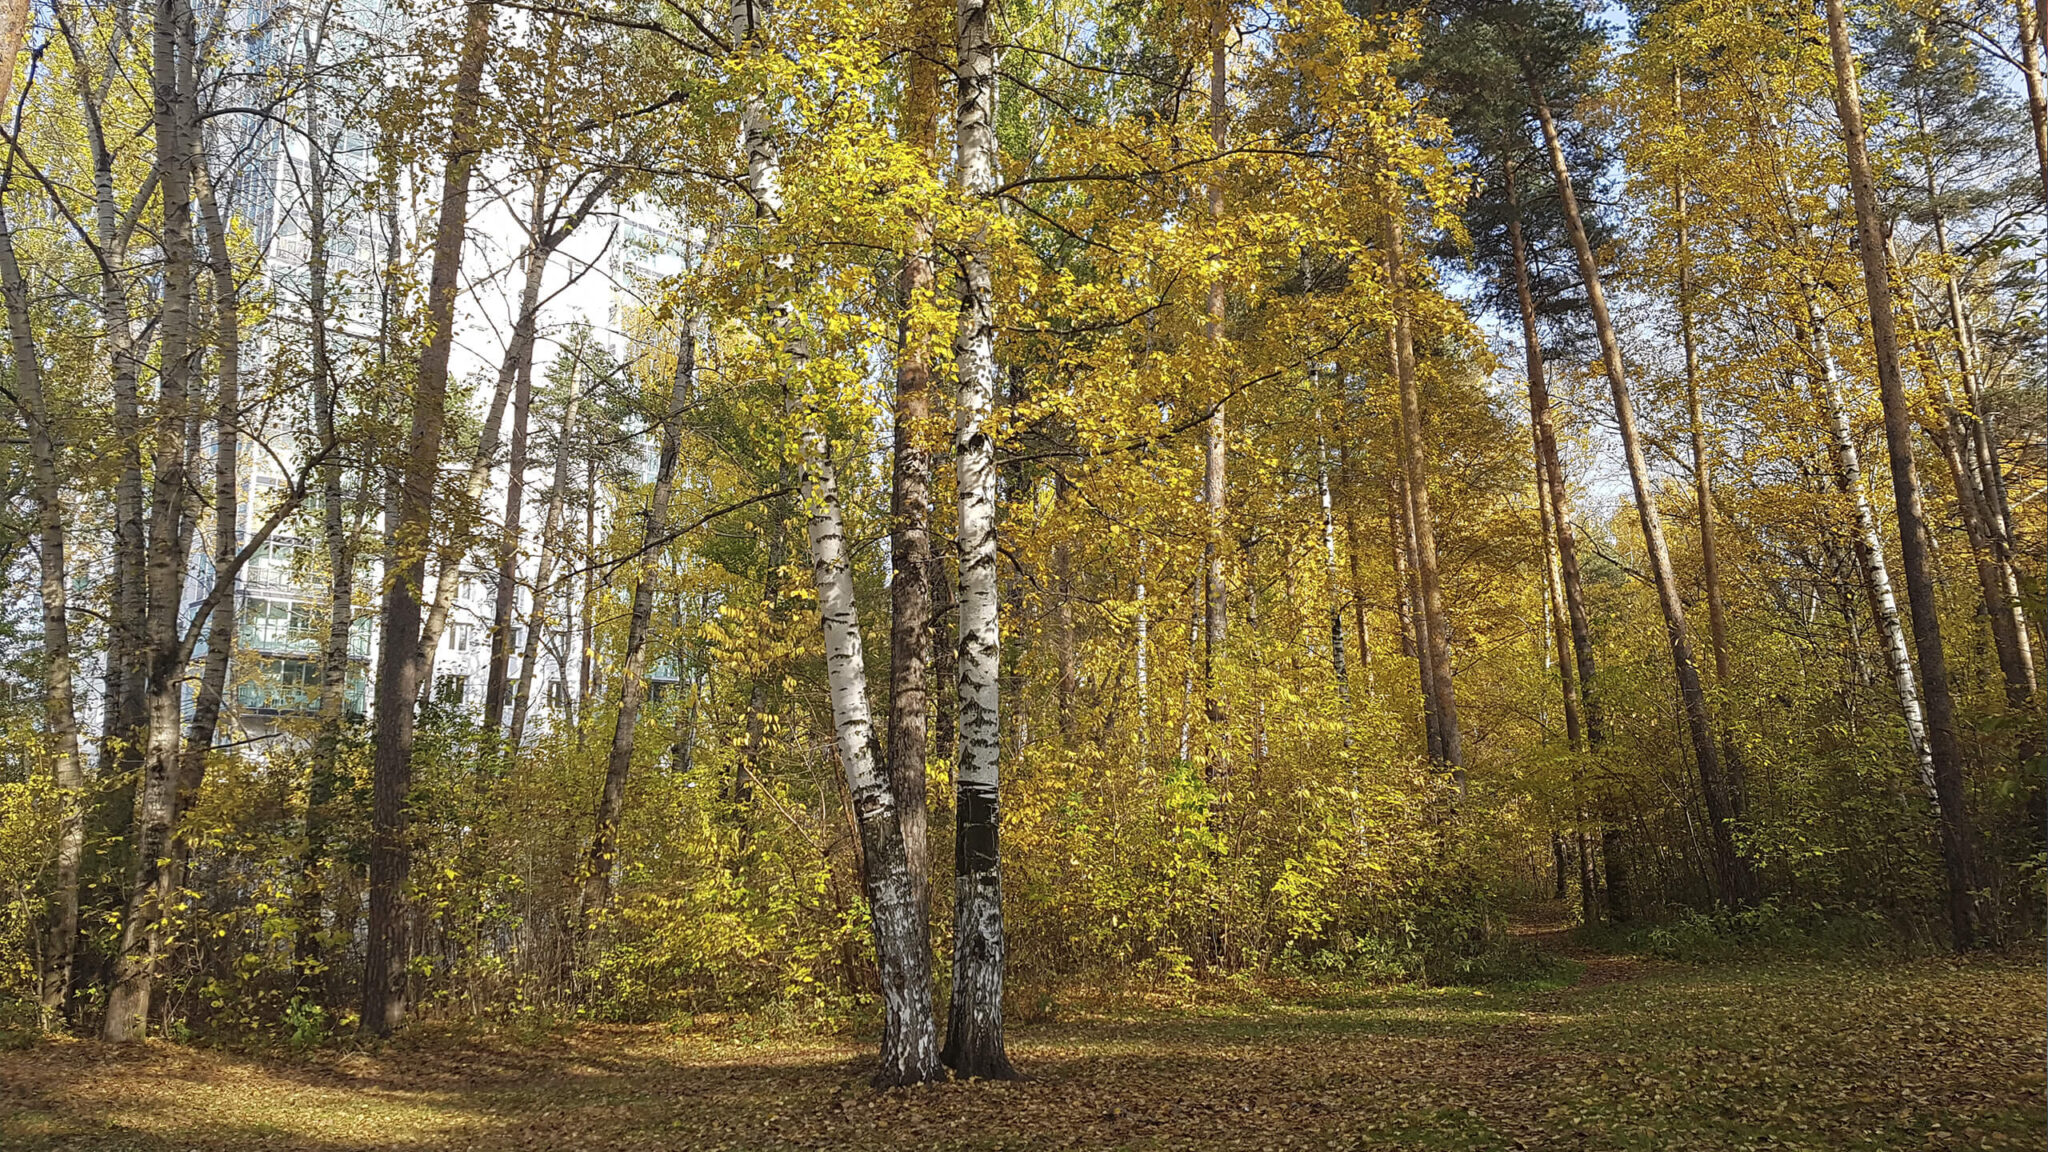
(1311, 475)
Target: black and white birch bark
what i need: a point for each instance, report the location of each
(974, 1035)
(1869, 547)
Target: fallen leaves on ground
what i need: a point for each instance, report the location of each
(1932, 1054)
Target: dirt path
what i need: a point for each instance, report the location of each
(1638, 1055)
(1547, 926)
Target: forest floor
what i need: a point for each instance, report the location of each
(1763, 1053)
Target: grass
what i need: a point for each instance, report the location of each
(1638, 1054)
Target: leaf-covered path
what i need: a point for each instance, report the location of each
(1777, 1054)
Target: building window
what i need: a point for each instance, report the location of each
(460, 636)
(558, 694)
(450, 689)
(278, 562)
(280, 686)
(267, 623)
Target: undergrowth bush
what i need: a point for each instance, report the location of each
(1771, 927)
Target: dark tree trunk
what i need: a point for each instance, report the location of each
(1614, 854)
(1559, 863)
(1545, 423)
(604, 841)
(398, 673)
(1422, 524)
(1958, 847)
(910, 551)
(1732, 875)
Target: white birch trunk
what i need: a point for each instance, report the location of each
(974, 1040)
(1884, 605)
(1336, 587)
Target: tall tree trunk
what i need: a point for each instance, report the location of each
(1418, 621)
(1553, 593)
(399, 671)
(1415, 469)
(1558, 861)
(220, 632)
(1614, 858)
(341, 553)
(1063, 619)
(604, 841)
(110, 819)
(1958, 848)
(586, 611)
(451, 555)
(1216, 430)
(2033, 28)
(1980, 489)
(1141, 658)
(974, 1036)
(1869, 547)
(1552, 473)
(1335, 586)
(59, 717)
(1702, 479)
(1354, 554)
(1732, 875)
(173, 125)
(910, 546)
(503, 597)
(544, 575)
(944, 631)
(121, 721)
(120, 751)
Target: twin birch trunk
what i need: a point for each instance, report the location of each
(173, 49)
(902, 951)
